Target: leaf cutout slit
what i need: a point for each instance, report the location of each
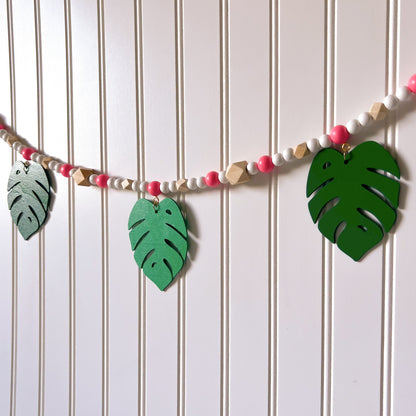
(168, 266)
(34, 214)
(328, 206)
(173, 228)
(137, 223)
(371, 217)
(141, 239)
(379, 194)
(42, 186)
(383, 172)
(318, 188)
(148, 255)
(40, 202)
(170, 244)
(17, 199)
(17, 183)
(19, 217)
(340, 228)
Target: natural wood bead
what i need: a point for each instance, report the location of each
(237, 173)
(82, 175)
(378, 111)
(127, 184)
(45, 161)
(181, 185)
(11, 139)
(301, 150)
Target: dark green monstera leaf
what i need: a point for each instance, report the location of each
(159, 239)
(28, 198)
(354, 200)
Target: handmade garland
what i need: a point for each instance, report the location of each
(355, 193)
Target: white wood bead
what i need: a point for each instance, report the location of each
(52, 164)
(353, 126)
(278, 159)
(111, 182)
(288, 154)
(72, 171)
(92, 178)
(391, 102)
(34, 156)
(16, 145)
(172, 187)
(252, 168)
(403, 93)
(143, 187)
(192, 185)
(221, 177)
(164, 187)
(136, 186)
(118, 183)
(57, 167)
(313, 145)
(39, 158)
(365, 119)
(325, 141)
(201, 182)
(3, 134)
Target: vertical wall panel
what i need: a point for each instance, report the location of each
(202, 147)
(56, 284)
(27, 370)
(248, 212)
(88, 279)
(161, 162)
(359, 81)
(299, 262)
(122, 160)
(5, 226)
(404, 323)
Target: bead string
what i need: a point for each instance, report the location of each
(236, 173)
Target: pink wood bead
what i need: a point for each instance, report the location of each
(101, 180)
(27, 152)
(65, 169)
(154, 188)
(211, 179)
(265, 164)
(2, 127)
(339, 134)
(412, 84)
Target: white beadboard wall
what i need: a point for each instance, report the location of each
(267, 317)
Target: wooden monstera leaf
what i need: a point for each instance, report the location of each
(354, 200)
(28, 198)
(159, 239)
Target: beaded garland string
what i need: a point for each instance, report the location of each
(161, 249)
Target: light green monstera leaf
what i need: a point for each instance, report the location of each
(159, 239)
(354, 200)
(28, 198)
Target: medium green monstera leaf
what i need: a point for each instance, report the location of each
(354, 200)
(28, 198)
(159, 239)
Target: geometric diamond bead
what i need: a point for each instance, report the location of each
(301, 150)
(45, 161)
(378, 111)
(181, 185)
(81, 176)
(237, 173)
(11, 139)
(126, 184)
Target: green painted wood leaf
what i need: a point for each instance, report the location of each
(354, 200)
(159, 239)
(28, 197)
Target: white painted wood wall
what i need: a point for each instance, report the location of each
(268, 318)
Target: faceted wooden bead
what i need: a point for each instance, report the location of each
(81, 176)
(181, 185)
(378, 111)
(45, 162)
(237, 173)
(301, 150)
(127, 184)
